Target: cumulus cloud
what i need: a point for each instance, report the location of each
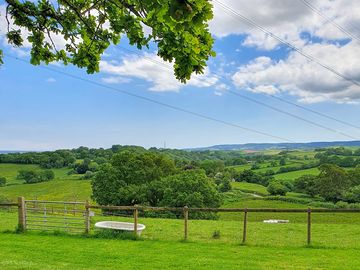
(288, 19)
(301, 77)
(153, 69)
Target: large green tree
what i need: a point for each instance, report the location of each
(88, 27)
(332, 182)
(125, 180)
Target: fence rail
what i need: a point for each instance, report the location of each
(44, 218)
(8, 204)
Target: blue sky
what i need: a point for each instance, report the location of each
(41, 109)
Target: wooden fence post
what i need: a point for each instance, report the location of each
(87, 217)
(22, 214)
(245, 224)
(186, 219)
(136, 215)
(308, 226)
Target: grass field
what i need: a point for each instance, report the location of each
(58, 190)
(291, 176)
(11, 170)
(63, 187)
(250, 188)
(269, 246)
(62, 252)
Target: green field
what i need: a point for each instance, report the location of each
(62, 252)
(290, 176)
(63, 187)
(58, 190)
(11, 170)
(269, 246)
(250, 188)
(335, 237)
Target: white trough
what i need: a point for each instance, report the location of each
(275, 221)
(120, 226)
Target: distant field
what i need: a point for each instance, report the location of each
(250, 188)
(10, 171)
(63, 187)
(296, 174)
(267, 166)
(67, 190)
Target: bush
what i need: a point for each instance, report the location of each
(275, 187)
(342, 205)
(88, 175)
(306, 184)
(352, 195)
(46, 175)
(31, 176)
(2, 181)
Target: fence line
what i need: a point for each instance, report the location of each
(29, 220)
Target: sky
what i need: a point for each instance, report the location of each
(41, 109)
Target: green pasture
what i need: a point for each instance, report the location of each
(291, 176)
(56, 190)
(269, 246)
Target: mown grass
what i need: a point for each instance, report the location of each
(64, 252)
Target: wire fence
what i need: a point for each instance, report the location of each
(82, 217)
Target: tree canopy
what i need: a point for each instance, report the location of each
(88, 27)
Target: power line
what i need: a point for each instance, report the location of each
(249, 21)
(243, 18)
(266, 105)
(176, 108)
(315, 112)
(338, 26)
(292, 115)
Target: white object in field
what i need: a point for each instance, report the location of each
(275, 221)
(121, 226)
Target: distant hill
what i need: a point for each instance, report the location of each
(282, 146)
(11, 151)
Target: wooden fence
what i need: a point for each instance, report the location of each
(24, 217)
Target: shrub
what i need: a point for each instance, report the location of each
(31, 176)
(306, 184)
(46, 175)
(2, 181)
(275, 187)
(352, 195)
(71, 172)
(342, 205)
(88, 175)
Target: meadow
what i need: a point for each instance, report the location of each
(64, 187)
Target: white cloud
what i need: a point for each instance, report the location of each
(288, 19)
(115, 80)
(299, 76)
(50, 80)
(153, 69)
